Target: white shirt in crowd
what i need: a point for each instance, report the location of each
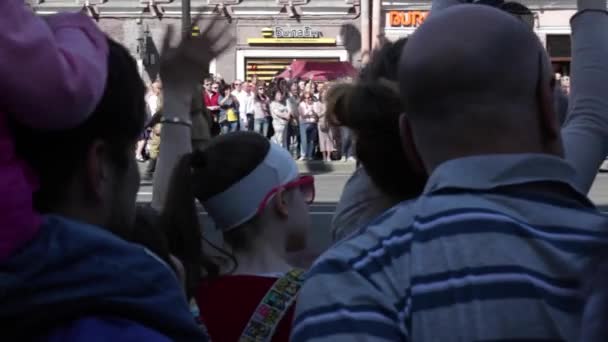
(245, 103)
(152, 101)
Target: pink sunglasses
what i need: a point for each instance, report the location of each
(306, 184)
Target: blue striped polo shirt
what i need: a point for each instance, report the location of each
(492, 250)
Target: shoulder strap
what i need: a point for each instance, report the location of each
(272, 308)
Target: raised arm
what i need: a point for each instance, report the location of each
(585, 133)
(54, 70)
(438, 5)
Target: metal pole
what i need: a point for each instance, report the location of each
(376, 23)
(186, 18)
(365, 28)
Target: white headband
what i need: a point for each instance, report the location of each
(240, 202)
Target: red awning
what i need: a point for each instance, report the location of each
(318, 71)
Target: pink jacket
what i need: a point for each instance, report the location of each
(54, 72)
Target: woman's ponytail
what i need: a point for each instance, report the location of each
(337, 101)
(361, 104)
(180, 223)
(371, 109)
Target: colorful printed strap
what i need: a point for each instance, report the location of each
(272, 308)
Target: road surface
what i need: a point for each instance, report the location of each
(329, 188)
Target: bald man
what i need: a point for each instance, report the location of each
(458, 91)
(493, 248)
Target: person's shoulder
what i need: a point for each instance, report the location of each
(92, 329)
(359, 188)
(76, 239)
(390, 226)
(360, 203)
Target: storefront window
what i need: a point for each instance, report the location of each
(267, 68)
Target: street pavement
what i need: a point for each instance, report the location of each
(329, 188)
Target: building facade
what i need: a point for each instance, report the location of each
(269, 34)
(551, 24)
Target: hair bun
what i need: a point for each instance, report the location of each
(198, 159)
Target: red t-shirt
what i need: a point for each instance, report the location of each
(211, 101)
(227, 303)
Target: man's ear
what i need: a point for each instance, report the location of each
(280, 203)
(96, 170)
(409, 147)
(549, 123)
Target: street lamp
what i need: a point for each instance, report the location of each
(142, 44)
(186, 19)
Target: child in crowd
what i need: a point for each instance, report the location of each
(53, 74)
(252, 191)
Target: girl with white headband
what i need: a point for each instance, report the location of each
(253, 192)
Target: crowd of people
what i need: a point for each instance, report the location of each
(467, 220)
(291, 113)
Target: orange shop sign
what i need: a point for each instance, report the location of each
(406, 18)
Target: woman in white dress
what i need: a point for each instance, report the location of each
(154, 99)
(326, 136)
(280, 118)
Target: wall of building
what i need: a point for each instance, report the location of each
(554, 20)
(342, 31)
(129, 31)
(128, 22)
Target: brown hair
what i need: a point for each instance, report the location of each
(371, 107)
(201, 175)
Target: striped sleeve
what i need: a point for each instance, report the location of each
(344, 307)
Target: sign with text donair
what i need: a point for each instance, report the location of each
(291, 36)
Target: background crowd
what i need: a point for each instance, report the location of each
(291, 113)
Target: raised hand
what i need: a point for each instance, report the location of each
(439, 5)
(183, 66)
(591, 4)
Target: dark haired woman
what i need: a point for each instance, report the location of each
(385, 178)
(254, 194)
(229, 108)
(261, 111)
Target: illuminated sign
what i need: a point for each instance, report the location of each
(306, 32)
(290, 35)
(406, 18)
(196, 31)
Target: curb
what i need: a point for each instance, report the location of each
(316, 167)
(322, 167)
